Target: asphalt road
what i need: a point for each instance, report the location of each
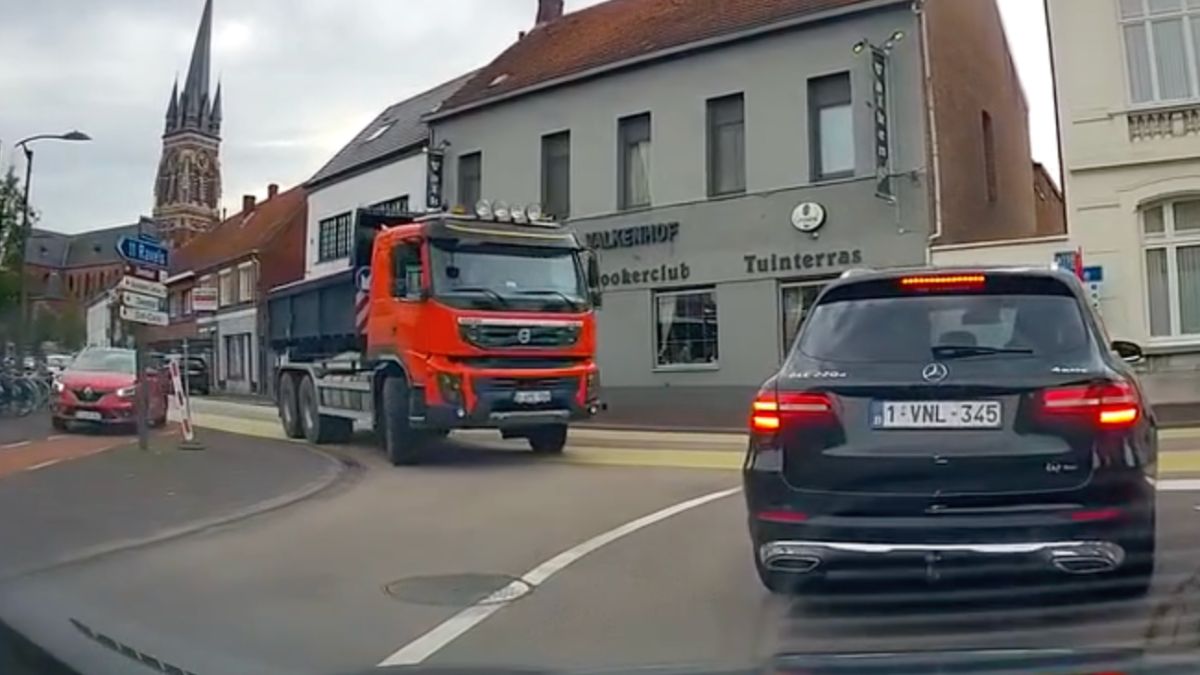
(423, 565)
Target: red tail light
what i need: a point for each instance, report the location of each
(770, 409)
(942, 281)
(1111, 405)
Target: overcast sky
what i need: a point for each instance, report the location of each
(300, 77)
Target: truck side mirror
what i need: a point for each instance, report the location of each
(593, 279)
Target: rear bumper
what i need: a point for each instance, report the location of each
(1070, 557)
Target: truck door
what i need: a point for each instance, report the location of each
(394, 315)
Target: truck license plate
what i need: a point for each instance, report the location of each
(531, 397)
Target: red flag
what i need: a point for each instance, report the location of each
(1079, 263)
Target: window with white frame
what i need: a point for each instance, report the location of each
(1162, 45)
(1171, 236)
(246, 282)
(685, 328)
(227, 288)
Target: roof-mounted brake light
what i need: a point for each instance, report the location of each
(943, 281)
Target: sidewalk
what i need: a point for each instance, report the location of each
(125, 497)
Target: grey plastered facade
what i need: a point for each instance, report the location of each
(715, 236)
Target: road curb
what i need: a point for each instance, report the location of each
(338, 469)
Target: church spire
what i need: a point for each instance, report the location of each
(195, 99)
(215, 114)
(173, 108)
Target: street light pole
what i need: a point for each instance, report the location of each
(24, 319)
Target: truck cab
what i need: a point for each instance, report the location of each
(481, 320)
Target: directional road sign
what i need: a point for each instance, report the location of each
(139, 301)
(139, 251)
(143, 287)
(144, 316)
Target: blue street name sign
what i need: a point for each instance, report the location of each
(142, 252)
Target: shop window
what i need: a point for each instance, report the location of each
(1162, 49)
(470, 179)
(795, 301)
(1171, 236)
(556, 174)
(831, 127)
(686, 328)
(236, 356)
(633, 137)
(334, 237)
(726, 145)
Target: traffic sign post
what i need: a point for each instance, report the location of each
(142, 295)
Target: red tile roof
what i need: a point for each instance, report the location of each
(242, 233)
(619, 30)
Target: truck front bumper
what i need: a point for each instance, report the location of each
(513, 403)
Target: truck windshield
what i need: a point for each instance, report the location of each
(492, 276)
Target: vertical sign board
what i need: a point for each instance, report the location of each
(435, 162)
(1093, 280)
(881, 125)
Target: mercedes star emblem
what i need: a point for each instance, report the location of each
(934, 372)
(524, 336)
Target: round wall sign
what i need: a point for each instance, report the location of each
(808, 217)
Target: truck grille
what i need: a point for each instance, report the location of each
(515, 335)
(521, 383)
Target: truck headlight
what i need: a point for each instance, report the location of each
(593, 385)
(450, 387)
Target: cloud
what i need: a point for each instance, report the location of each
(299, 79)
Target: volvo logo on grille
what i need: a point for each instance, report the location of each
(935, 372)
(524, 336)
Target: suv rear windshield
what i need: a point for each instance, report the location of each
(876, 322)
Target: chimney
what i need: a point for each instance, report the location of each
(247, 203)
(272, 190)
(549, 10)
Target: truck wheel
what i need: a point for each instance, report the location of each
(548, 440)
(289, 412)
(402, 444)
(320, 428)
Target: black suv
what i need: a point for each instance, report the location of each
(948, 422)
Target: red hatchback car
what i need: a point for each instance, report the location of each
(98, 388)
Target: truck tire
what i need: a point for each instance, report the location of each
(402, 443)
(548, 440)
(318, 428)
(289, 406)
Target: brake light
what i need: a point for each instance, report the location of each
(1111, 405)
(783, 516)
(770, 409)
(943, 281)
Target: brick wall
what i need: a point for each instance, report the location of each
(972, 73)
(1048, 202)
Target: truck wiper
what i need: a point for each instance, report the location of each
(571, 302)
(967, 351)
(500, 300)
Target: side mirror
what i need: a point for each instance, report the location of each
(1129, 352)
(593, 280)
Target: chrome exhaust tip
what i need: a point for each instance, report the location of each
(1087, 558)
(784, 557)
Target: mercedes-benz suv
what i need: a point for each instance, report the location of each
(949, 422)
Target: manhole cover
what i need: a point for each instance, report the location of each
(457, 590)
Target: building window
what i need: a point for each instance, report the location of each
(187, 302)
(174, 305)
(634, 151)
(246, 282)
(795, 301)
(556, 174)
(470, 179)
(228, 289)
(1162, 42)
(397, 206)
(1171, 233)
(726, 145)
(989, 154)
(236, 356)
(686, 328)
(831, 127)
(334, 237)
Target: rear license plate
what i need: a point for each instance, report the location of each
(88, 415)
(936, 415)
(531, 397)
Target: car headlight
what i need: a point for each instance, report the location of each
(127, 392)
(58, 387)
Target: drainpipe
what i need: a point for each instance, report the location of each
(934, 149)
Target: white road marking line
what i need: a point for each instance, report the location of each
(446, 632)
(57, 437)
(1179, 485)
(18, 444)
(43, 465)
